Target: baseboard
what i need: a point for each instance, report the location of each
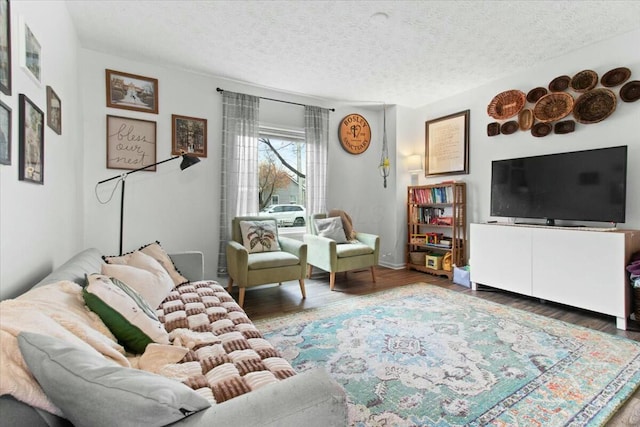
(392, 266)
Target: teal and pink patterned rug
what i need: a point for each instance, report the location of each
(420, 355)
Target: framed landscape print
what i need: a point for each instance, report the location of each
(5, 134)
(31, 140)
(131, 92)
(31, 53)
(189, 135)
(54, 111)
(131, 143)
(5, 47)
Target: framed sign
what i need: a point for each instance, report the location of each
(447, 145)
(31, 139)
(31, 55)
(354, 134)
(5, 134)
(131, 92)
(5, 47)
(131, 143)
(189, 135)
(54, 111)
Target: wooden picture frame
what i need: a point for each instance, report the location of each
(189, 135)
(31, 141)
(447, 145)
(131, 92)
(5, 47)
(5, 134)
(31, 53)
(131, 143)
(54, 111)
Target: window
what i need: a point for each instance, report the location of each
(282, 168)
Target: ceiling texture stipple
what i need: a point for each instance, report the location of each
(423, 51)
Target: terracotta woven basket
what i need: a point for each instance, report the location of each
(417, 257)
(506, 104)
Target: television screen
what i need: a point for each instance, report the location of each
(587, 185)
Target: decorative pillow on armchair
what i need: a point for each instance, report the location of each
(259, 236)
(125, 312)
(331, 228)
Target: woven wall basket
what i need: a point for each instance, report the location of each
(506, 104)
(594, 106)
(553, 106)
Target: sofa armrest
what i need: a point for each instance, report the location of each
(295, 247)
(310, 399)
(190, 264)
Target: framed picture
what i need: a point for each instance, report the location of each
(189, 135)
(5, 47)
(54, 111)
(31, 140)
(132, 92)
(31, 56)
(131, 143)
(5, 134)
(447, 145)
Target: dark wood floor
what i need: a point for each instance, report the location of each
(269, 300)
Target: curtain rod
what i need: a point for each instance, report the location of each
(279, 100)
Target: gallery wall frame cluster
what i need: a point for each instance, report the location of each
(31, 118)
(131, 142)
(585, 96)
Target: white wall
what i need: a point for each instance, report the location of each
(621, 128)
(41, 225)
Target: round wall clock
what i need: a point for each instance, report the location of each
(354, 134)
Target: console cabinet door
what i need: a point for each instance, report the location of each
(501, 257)
(580, 268)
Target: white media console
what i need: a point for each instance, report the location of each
(583, 268)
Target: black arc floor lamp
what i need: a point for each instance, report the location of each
(188, 160)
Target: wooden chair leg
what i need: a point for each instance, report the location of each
(241, 297)
(230, 285)
(304, 293)
(373, 274)
(309, 270)
(332, 280)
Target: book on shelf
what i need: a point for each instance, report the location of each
(433, 195)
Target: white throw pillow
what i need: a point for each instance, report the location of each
(125, 312)
(259, 236)
(145, 275)
(331, 228)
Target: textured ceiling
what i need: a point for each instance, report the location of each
(345, 50)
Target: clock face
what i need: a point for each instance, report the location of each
(355, 134)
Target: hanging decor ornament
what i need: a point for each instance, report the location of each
(384, 160)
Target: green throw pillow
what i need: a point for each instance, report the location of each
(92, 390)
(125, 312)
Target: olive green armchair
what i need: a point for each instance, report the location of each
(247, 269)
(326, 254)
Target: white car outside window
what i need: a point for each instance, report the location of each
(286, 215)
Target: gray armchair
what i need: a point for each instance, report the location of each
(330, 256)
(253, 269)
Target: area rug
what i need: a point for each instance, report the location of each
(421, 355)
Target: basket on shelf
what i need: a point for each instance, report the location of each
(417, 257)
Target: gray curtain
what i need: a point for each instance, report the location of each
(239, 165)
(316, 123)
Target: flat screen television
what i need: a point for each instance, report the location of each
(587, 185)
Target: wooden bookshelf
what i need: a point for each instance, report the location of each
(436, 225)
